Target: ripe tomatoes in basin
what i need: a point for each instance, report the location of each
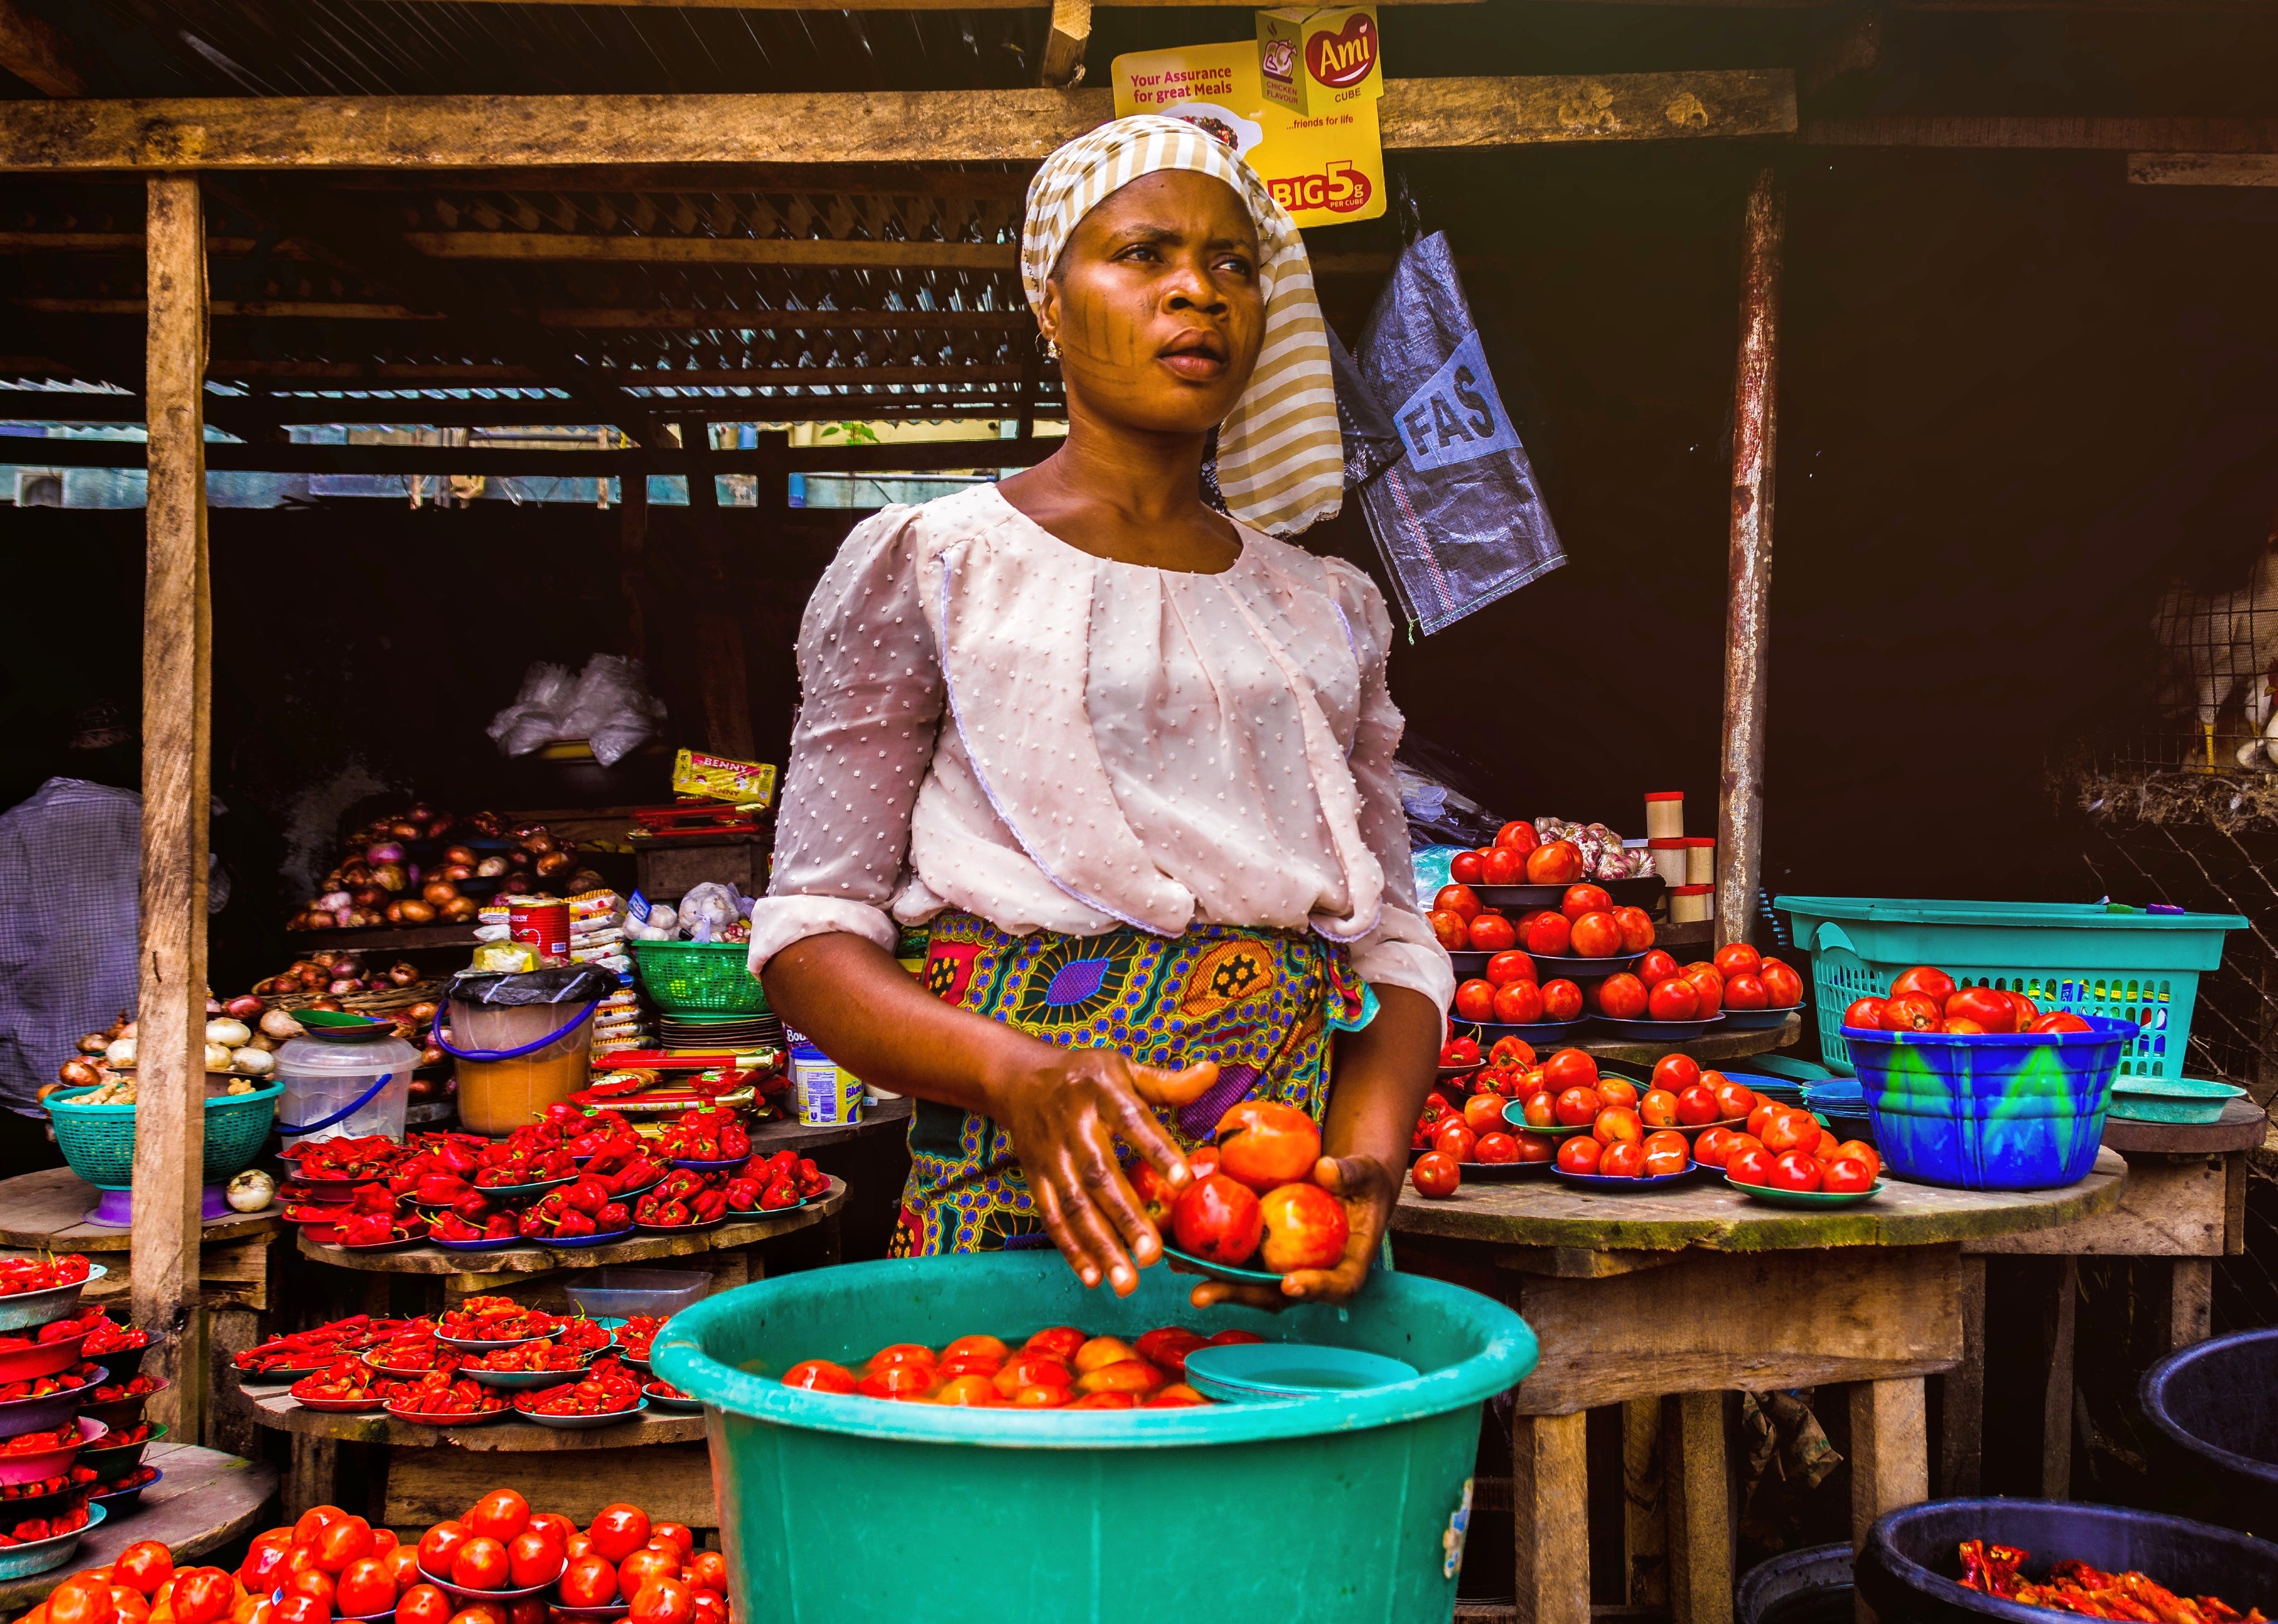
(1435, 1175)
(1697, 1105)
(1783, 987)
(365, 1589)
(589, 1581)
(1518, 1003)
(1795, 1170)
(1580, 1154)
(1458, 899)
(1547, 933)
(1749, 1163)
(480, 1565)
(1216, 1219)
(1911, 1012)
(618, 1530)
(1989, 1009)
(1570, 1068)
(1744, 992)
(1622, 997)
(1492, 933)
(1595, 936)
(500, 1515)
(424, 1604)
(1866, 1014)
(1673, 1000)
(1845, 1177)
(1926, 980)
(2060, 1021)
(1562, 1001)
(819, 1375)
(1509, 966)
(1475, 1001)
(2027, 1011)
(665, 1600)
(1738, 959)
(1623, 1159)
(1586, 899)
(1305, 1227)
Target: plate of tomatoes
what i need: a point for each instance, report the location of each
(1789, 1157)
(1624, 1166)
(1252, 1212)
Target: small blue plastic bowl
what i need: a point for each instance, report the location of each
(40, 1555)
(1254, 1372)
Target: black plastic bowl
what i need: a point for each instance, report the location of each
(1910, 1570)
(2216, 1405)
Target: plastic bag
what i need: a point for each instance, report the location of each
(708, 909)
(1458, 518)
(535, 716)
(612, 709)
(572, 983)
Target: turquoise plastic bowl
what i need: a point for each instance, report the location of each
(1335, 1509)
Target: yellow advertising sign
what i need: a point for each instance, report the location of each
(1326, 169)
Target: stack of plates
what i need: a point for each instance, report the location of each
(739, 1034)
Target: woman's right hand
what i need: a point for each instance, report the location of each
(1064, 1110)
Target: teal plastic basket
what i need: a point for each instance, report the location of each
(98, 1140)
(2091, 958)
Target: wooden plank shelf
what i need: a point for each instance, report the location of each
(406, 938)
(276, 1408)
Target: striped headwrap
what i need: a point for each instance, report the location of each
(1281, 457)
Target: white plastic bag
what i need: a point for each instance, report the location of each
(535, 717)
(708, 910)
(613, 709)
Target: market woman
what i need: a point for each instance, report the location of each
(1130, 759)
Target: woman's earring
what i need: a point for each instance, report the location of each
(1049, 346)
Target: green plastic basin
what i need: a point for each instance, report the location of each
(838, 1510)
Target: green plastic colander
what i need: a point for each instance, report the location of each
(706, 977)
(98, 1140)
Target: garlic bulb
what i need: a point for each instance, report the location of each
(231, 1034)
(255, 1062)
(118, 1051)
(279, 1023)
(251, 1190)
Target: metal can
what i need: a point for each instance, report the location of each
(543, 928)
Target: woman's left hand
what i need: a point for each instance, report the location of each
(1369, 1192)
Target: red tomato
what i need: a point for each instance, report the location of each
(815, 1375)
(1782, 985)
(81, 1599)
(301, 1610)
(1458, 899)
(1708, 991)
(480, 1565)
(1435, 1175)
(684, 1536)
(1535, 1147)
(645, 1566)
(1928, 980)
(1557, 863)
(314, 1584)
(2060, 1021)
(1492, 933)
(1580, 1154)
(1617, 1091)
(1910, 1012)
(1517, 1003)
(1586, 899)
(707, 1570)
(1263, 1144)
(1658, 1108)
(1562, 1001)
(1795, 1170)
(1673, 1000)
(533, 1558)
(1541, 1110)
(365, 1591)
(1665, 1152)
(480, 1612)
(1761, 1114)
(1656, 966)
(1713, 1145)
(529, 1610)
(1502, 866)
(1697, 1105)
(1791, 1129)
(1845, 1177)
(1483, 1112)
(1733, 1099)
(1497, 1147)
(2027, 1011)
(1637, 928)
(1517, 836)
(1454, 932)
(342, 1543)
(1548, 933)
(500, 1515)
(1744, 992)
(1961, 1026)
(1570, 1068)
(707, 1607)
(1217, 1220)
(666, 1600)
(1703, 968)
(1989, 1009)
(1749, 1163)
(143, 1567)
(203, 1595)
(1739, 959)
(1466, 867)
(265, 1561)
(1622, 997)
(384, 1539)
(1475, 1001)
(1595, 936)
(312, 1523)
(439, 1544)
(1866, 1014)
(129, 1605)
(1577, 1106)
(1614, 1125)
(1675, 1072)
(1509, 966)
(422, 1604)
(402, 1564)
(1453, 1138)
(1623, 1159)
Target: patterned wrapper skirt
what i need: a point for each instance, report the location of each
(1263, 1004)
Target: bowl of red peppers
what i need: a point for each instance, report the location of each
(118, 1405)
(54, 1346)
(782, 1182)
(125, 1495)
(31, 1457)
(298, 1353)
(604, 1396)
(116, 1454)
(543, 1363)
(709, 1141)
(687, 1200)
(39, 1543)
(42, 1404)
(34, 1291)
(439, 1399)
(583, 1212)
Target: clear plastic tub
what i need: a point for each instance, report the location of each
(330, 1088)
(620, 1293)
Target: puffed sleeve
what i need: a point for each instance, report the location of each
(871, 693)
(1400, 951)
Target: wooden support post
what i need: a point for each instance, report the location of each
(1747, 629)
(1961, 1437)
(632, 536)
(2056, 1398)
(2190, 1301)
(1700, 1511)
(176, 695)
(1890, 1455)
(1645, 1527)
(1551, 1506)
(1064, 45)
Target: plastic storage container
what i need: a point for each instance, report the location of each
(353, 1082)
(1110, 1517)
(704, 977)
(2010, 1111)
(497, 1096)
(1910, 1568)
(2215, 1406)
(620, 1293)
(2087, 957)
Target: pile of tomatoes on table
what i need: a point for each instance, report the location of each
(1058, 1368)
(713, 1133)
(1925, 998)
(1660, 988)
(1518, 857)
(142, 1583)
(21, 1275)
(770, 1183)
(1786, 1147)
(606, 1389)
(1252, 1194)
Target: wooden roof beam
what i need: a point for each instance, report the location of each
(591, 319)
(242, 414)
(34, 51)
(2203, 169)
(947, 127)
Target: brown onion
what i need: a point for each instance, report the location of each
(389, 876)
(392, 912)
(490, 867)
(457, 871)
(404, 829)
(322, 1003)
(317, 920)
(459, 853)
(439, 892)
(424, 1010)
(79, 1073)
(555, 862)
(539, 842)
(402, 974)
(417, 911)
(432, 1056)
(371, 896)
(459, 909)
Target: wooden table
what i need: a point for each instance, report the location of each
(1694, 1292)
(205, 1500)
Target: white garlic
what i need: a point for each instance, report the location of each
(251, 1190)
(254, 1062)
(231, 1034)
(118, 1051)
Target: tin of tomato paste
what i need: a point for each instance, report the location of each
(542, 927)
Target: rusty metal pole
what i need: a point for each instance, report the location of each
(1748, 623)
